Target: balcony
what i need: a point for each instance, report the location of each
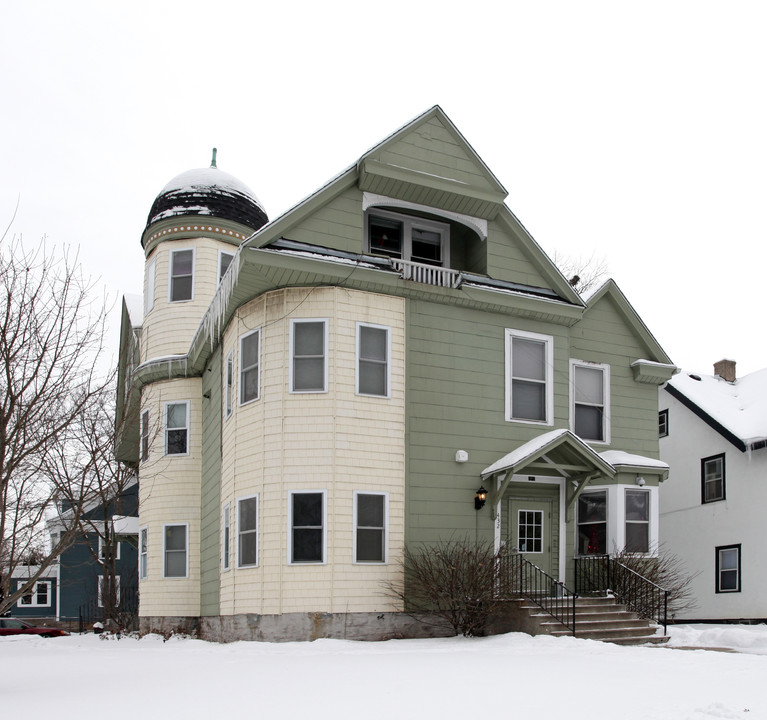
(427, 274)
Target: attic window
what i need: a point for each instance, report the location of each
(408, 238)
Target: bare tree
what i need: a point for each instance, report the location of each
(92, 441)
(51, 342)
(583, 274)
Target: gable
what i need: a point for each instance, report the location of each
(429, 162)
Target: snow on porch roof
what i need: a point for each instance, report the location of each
(124, 525)
(609, 462)
(548, 442)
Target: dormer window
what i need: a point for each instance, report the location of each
(410, 238)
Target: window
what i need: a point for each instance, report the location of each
(177, 428)
(373, 353)
(101, 590)
(637, 521)
(224, 261)
(103, 547)
(728, 568)
(143, 561)
(370, 522)
(529, 395)
(592, 523)
(38, 596)
(226, 534)
(712, 478)
(307, 527)
(144, 435)
(149, 284)
(663, 423)
(530, 531)
(247, 532)
(228, 384)
(174, 551)
(249, 366)
(408, 238)
(590, 398)
(181, 275)
(308, 369)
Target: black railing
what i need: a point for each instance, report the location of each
(125, 613)
(539, 587)
(601, 574)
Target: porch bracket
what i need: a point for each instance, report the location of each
(495, 496)
(582, 481)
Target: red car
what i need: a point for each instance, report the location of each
(12, 626)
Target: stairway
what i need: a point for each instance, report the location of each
(599, 618)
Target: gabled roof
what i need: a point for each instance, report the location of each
(737, 410)
(609, 289)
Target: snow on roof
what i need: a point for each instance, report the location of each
(124, 525)
(524, 451)
(617, 458)
(27, 571)
(207, 177)
(740, 407)
(134, 304)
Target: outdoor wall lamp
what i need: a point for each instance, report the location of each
(639, 481)
(480, 498)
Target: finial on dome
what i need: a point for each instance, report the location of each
(213, 159)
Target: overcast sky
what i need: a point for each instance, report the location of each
(635, 133)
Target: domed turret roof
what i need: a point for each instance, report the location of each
(210, 192)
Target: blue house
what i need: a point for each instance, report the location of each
(71, 590)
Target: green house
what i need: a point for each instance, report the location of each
(305, 397)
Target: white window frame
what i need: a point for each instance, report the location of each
(221, 253)
(250, 531)
(33, 596)
(165, 551)
(257, 366)
(143, 553)
(229, 385)
(548, 381)
(359, 359)
(325, 357)
(648, 522)
(101, 549)
(166, 428)
(226, 537)
(385, 496)
(324, 494)
(150, 276)
(410, 222)
(144, 441)
(171, 276)
(605, 369)
(99, 590)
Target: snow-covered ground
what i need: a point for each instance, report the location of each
(506, 676)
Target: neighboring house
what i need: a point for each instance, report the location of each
(306, 396)
(713, 433)
(72, 588)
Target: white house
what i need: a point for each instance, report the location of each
(713, 435)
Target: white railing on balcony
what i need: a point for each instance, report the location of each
(427, 274)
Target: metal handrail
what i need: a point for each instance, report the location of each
(603, 574)
(536, 585)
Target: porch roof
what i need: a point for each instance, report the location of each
(559, 453)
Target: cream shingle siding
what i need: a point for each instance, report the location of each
(336, 442)
(169, 327)
(169, 494)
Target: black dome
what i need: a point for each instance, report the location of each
(209, 192)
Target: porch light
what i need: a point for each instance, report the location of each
(639, 481)
(480, 498)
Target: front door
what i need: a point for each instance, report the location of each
(530, 530)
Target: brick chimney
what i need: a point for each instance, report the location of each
(725, 369)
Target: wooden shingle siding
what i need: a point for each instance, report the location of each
(336, 442)
(169, 493)
(168, 329)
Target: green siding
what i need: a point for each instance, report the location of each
(337, 225)
(210, 515)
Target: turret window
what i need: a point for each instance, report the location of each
(181, 275)
(309, 368)
(177, 428)
(249, 372)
